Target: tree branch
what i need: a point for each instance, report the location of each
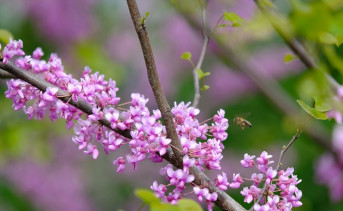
(310, 63)
(154, 78)
(201, 58)
(43, 85)
(5, 75)
(224, 201)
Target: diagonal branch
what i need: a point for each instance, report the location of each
(224, 201)
(154, 79)
(5, 75)
(202, 56)
(43, 85)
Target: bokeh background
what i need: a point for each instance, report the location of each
(41, 168)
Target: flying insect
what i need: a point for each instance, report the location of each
(240, 121)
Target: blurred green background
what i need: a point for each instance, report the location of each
(41, 168)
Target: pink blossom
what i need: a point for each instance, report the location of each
(91, 149)
(120, 162)
(248, 161)
(221, 181)
(237, 181)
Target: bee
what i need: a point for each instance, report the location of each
(240, 121)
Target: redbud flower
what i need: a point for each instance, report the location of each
(221, 181)
(91, 149)
(159, 190)
(248, 161)
(120, 162)
(237, 181)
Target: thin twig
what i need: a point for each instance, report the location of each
(283, 151)
(202, 56)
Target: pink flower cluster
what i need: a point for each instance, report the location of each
(281, 191)
(13, 48)
(148, 135)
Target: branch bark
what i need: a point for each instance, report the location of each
(43, 85)
(224, 201)
(202, 56)
(154, 78)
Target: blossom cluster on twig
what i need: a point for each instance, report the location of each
(148, 137)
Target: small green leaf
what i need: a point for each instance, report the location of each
(235, 19)
(5, 36)
(327, 38)
(147, 196)
(322, 105)
(288, 58)
(186, 56)
(339, 40)
(201, 74)
(163, 206)
(204, 88)
(312, 111)
(143, 19)
(188, 205)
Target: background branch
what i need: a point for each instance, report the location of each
(269, 87)
(202, 56)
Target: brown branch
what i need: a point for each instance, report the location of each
(224, 201)
(5, 75)
(154, 79)
(43, 85)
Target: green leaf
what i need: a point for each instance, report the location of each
(147, 196)
(163, 207)
(321, 104)
(5, 36)
(327, 38)
(312, 111)
(204, 88)
(235, 19)
(143, 19)
(186, 56)
(339, 40)
(288, 58)
(188, 205)
(201, 74)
